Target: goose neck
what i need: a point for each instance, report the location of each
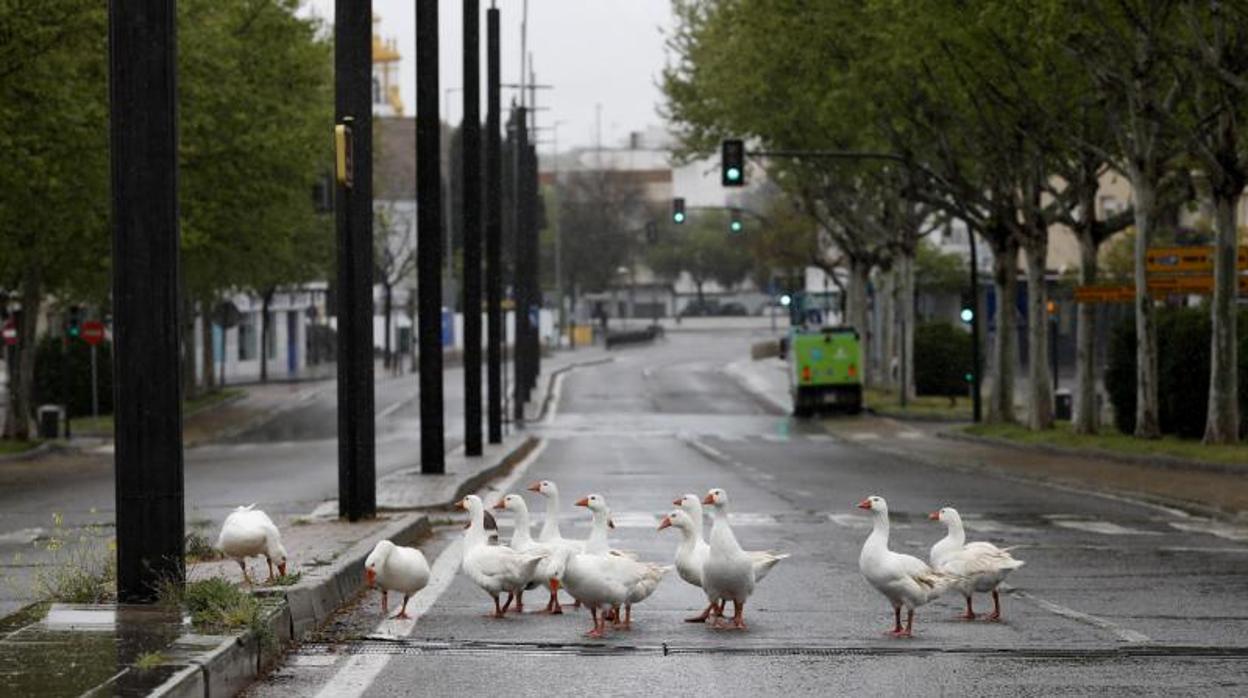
(597, 542)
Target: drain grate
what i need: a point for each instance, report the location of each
(403, 646)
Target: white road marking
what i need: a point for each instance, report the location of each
(910, 434)
(635, 519)
(1213, 528)
(820, 438)
(24, 536)
(1123, 634)
(1106, 528)
(393, 408)
(706, 449)
(751, 519)
(865, 436)
(850, 520)
(360, 671)
(774, 438)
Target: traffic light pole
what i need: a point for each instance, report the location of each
(493, 232)
(976, 399)
(147, 396)
(471, 217)
(429, 244)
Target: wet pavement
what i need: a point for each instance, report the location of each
(1117, 596)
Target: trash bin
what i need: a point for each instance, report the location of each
(1063, 408)
(50, 417)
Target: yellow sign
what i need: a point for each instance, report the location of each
(1164, 260)
(1104, 294)
(344, 164)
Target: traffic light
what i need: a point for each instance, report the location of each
(735, 226)
(732, 163)
(73, 322)
(968, 308)
(652, 232)
(678, 210)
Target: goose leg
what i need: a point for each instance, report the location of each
(554, 607)
(908, 632)
(498, 610)
(600, 625)
(511, 595)
(738, 614)
(385, 601)
(270, 561)
(701, 618)
(628, 617)
(970, 612)
(717, 616)
(520, 601)
(403, 609)
(896, 621)
(246, 578)
(996, 606)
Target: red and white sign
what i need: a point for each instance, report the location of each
(92, 332)
(10, 332)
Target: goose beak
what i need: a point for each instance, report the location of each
(610, 523)
(535, 487)
(462, 504)
(582, 502)
(370, 576)
(934, 516)
(502, 504)
(710, 499)
(281, 568)
(667, 521)
(864, 504)
(676, 501)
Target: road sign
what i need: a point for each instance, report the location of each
(1169, 260)
(1104, 294)
(10, 332)
(92, 332)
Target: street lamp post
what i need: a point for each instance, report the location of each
(429, 247)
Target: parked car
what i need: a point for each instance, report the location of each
(733, 309)
(700, 309)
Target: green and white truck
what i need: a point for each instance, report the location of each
(825, 370)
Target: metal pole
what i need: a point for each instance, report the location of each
(554, 217)
(95, 386)
(147, 396)
(493, 232)
(429, 245)
(519, 281)
(535, 276)
(357, 486)
(471, 218)
(976, 399)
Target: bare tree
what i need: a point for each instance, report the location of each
(394, 255)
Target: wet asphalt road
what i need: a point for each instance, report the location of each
(1116, 597)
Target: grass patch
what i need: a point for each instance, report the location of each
(886, 402)
(103, 425)
(285, 580)
(24, 616)
(1063, 435)
(83, 566)
(218, 607)
(148, 661)
(10, 447)
(199, 548)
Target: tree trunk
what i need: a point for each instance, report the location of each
(22, 377)
(1222, 423)
(387, 358)
(1005, 280)
(907, 316)
(1147, 424)
(859, 274)
(888, 321)
(265, 329)
(701, 300)
(1085, 412)
(1040, 377)
(209, 362)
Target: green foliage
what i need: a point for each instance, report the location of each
(148, 661)
(217, 606)
(602, 214)
(705, 249)
(82, 565)
(63, 367)
(942, 359)
(1183, 346)
(936, 271)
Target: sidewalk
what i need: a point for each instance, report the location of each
(1195, 489)
(109, 649)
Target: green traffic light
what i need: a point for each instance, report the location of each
(969, 377)
(678, 217)
(735, 226)
(967, 315)
(734, 174)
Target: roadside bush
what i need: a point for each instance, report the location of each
(1183, 337)
(57, 363)
(942, 358)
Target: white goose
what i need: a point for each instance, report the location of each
(904, 580)
(764, 560)
(550, 524)
(600, 578)
(730, 572)
(979, 566)
(690, 555)
(395, 567)
(494, 568)
(249, 532)
(547, 573)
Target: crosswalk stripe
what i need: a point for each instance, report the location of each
(865, 436)
(1103, 527)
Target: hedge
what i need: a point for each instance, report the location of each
(942, 359)
(1183, 345)
(58, 361)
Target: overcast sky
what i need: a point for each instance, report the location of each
(608, 52)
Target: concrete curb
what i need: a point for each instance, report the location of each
(1166, 462)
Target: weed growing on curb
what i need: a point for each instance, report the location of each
(148, 661)
(82, 569)
(217, 606)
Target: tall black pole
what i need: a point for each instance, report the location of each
(429, 234)
(146, 362)
(493, 231)
(519, 150)
(535, 274)
(976, 399)
(471, 216)
(353, 73)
